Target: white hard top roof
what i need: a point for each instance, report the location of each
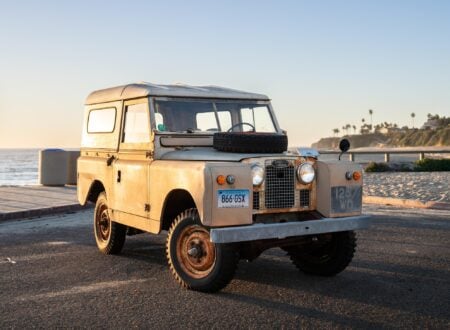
(144, 89)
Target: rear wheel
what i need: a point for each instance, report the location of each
(325, 255)
(195, 262)
(109, 235)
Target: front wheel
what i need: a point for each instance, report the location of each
(109, 235)
(324, 255)
(195, 262)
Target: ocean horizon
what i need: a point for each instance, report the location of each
(20, 166)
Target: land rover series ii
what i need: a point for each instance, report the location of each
(210, 166)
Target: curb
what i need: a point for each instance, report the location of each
(409, 203)
(43, 211)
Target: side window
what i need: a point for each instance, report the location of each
(101, 120)
(136, 128)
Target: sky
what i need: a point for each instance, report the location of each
(324, 64)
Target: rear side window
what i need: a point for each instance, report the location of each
(101, 120)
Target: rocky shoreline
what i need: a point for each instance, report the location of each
(421, 186)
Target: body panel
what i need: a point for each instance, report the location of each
(331, 180)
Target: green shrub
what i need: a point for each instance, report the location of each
(405, 168)
(377, 167)
(432, 165)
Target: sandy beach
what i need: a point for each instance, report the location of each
(422, 186)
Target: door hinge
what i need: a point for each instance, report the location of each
(147, 207)
(149, 154)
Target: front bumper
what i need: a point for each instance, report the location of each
(287, 229)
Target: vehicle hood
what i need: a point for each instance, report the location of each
(210, 154)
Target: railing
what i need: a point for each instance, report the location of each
(387, 152)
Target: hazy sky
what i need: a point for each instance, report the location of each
(323, 63)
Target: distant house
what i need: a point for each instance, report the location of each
(386, 130)
(431, 124)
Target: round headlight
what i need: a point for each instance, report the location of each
(257, 175)
(306, 173)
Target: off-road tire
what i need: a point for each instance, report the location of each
(328, 260)
(109, 235)
(250, 142)
(186, 269)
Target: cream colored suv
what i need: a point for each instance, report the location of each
(209, 165)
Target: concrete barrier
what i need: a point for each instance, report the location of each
(53, 167)
(72, 157)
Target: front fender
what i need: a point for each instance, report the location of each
(198, 178)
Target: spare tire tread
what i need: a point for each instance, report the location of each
(250, 142)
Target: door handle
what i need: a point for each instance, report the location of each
(119, 175)
(110, 160)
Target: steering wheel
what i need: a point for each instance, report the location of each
(241, 124)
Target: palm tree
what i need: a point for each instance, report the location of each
(370, 113)
(412, 116)
(354, 129)
(343, 129)
(347, 127)
(336, 131)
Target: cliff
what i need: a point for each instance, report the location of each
(401, 138)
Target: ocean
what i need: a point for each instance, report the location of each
(19, 167)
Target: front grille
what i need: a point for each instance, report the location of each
(256, 200)
(304, 198)
(280, 187)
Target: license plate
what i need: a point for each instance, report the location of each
(345, 199)
(233, 198)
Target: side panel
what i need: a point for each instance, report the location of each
(131, 185)
(91, 168)
(135, 221)
(96, 148)
(337, 196)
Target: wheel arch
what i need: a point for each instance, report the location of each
(95, 189)
(176, 202)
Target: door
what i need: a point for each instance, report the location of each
(131, 168)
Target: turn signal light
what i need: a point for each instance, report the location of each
(356, 175)
(221, 179)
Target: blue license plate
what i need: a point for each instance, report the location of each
(233, 198)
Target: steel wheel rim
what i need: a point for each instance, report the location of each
(103, 223)
(195, 253)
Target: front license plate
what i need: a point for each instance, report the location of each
(345, 199)
(233, 198)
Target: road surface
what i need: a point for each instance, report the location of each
(51, 275)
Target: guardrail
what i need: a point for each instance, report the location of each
(387, 152)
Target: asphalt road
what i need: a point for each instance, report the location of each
(51, 275)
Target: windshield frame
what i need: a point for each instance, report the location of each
(213, 101)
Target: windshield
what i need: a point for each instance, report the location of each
(187, 116)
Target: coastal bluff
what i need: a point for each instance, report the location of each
(409, 138)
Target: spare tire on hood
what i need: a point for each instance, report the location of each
(250, 142)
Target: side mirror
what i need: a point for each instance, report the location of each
(344, 145)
